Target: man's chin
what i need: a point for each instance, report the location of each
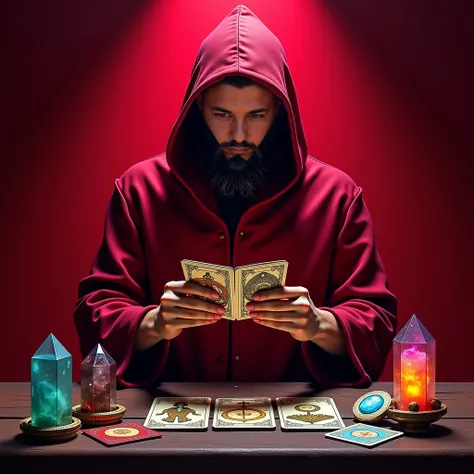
(237, 166)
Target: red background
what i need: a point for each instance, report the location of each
(89, 88)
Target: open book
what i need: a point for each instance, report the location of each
(236, 286)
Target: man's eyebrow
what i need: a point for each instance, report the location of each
(225, 111)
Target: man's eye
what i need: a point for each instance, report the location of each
(256, 116)
(221, 114)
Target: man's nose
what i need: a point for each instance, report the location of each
(239, 133)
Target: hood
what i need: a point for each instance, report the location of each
(240, 45)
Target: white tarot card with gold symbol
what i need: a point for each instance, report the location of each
(243, 413)
(218, 277)
(308, 413)
(179, 413)
(252, 278)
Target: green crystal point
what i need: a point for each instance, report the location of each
(51, 385)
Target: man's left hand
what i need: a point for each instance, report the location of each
(287, 308)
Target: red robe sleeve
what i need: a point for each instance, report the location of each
(362, 303)
(113, 299)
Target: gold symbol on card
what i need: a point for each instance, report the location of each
(259, 282)
(178, 411)
(364, 434)
(243, 414)
(121, 432)
(309, 417)
(209, 281)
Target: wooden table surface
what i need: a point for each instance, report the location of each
(449, 448)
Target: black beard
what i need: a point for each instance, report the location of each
(271, 162)
(237, 176)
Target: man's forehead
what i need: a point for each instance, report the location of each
(239, 96)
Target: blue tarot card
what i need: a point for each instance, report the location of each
(365, 435)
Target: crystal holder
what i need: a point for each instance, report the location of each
(417, 421)
(51, 434)
(373, 407)
(99, 418)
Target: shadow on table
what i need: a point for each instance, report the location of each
(435, 431)
(20, 441)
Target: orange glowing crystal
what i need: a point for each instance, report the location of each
(414, 363)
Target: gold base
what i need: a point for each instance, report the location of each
(99, 418)
(53, 434)
(416, 422)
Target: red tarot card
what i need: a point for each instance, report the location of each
(125, 432)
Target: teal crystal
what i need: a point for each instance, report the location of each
(51, 385)
(371, 404)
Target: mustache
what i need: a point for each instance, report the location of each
(234, 144)
(219, 159)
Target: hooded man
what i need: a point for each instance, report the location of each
(236, 186)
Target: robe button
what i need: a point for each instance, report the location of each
(220, 359)
(241, 233)
(221, 235)
(237, 357)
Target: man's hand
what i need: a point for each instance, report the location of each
(180, 308)
(290, 309)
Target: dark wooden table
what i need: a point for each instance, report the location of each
(448, 449)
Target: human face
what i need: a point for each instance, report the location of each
(239, 118)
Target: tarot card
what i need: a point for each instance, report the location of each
(308, 413)
(122, 433)
(243, 413)
(179, 413)
(364, 435)
(219, 278)
(252, 278)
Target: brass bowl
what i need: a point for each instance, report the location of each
(416, 421)
(53, 434)
(99, 418)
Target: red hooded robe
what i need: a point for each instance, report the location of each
(162, 211)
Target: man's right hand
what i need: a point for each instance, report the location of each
(180, 308)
